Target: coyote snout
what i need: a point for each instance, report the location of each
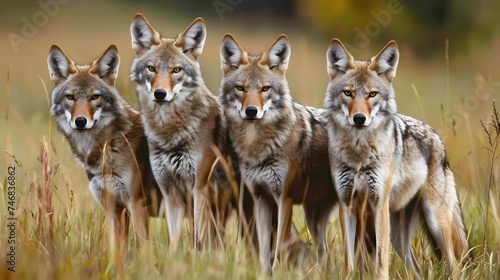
(252, 107)
(81, 115)
(360, 107)
(162, 87)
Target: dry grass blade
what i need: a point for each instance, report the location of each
(493, 141)
(420, 101)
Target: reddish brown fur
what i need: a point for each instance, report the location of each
(359, 105)
(82, 110)
(252, 99)
(162, 81)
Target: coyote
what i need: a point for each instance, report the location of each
(106, 137)
(281, 145)
(184, 126)
(398, 163)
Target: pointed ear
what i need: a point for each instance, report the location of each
(192, 40)
(278, 55)
(60, 65)
(106, 66)
(143, 35)
(386, 61)
(231, 54)
(339, 60)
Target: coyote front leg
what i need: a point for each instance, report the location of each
(200, 200)
(382, 231)
(263, 221)
(285, 205)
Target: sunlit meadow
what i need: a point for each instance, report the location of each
(61, 231)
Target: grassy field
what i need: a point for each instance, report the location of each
(60, 230)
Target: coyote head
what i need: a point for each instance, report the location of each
(84, 96)
(360, 91)
(254, 87)
(165, 68)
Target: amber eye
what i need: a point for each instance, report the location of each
(240, 88)
(70, 97)
(347, 92)
(373, 94)
(177, 70)
(151, 68)
(95, 96)
(266, 88)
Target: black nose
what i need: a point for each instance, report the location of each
(359, 119)
(251, 111)
(160, 94)
(80, 122)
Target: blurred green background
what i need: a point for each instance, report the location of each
(85, 28)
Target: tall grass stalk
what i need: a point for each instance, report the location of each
(447, 61)
(419, 101)
(493, 138)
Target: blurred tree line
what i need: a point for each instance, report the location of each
(358, 22)
(420, 23)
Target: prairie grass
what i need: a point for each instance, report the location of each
(62, 232)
